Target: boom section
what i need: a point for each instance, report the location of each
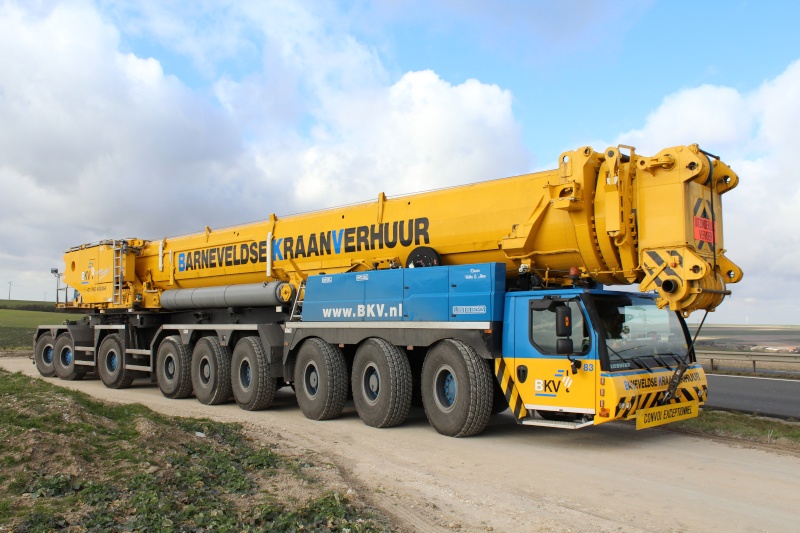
(618, 217)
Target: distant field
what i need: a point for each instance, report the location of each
(27, 305)
(17, 327)
(738, 335)
(10, 318)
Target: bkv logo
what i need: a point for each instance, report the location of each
(552, 386)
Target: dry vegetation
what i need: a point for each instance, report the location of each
(70, 462)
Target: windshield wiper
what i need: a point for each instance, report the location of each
(675, 356)
(632, 348)
(675, 380)
(612, 350)
(663, 363)
(640, 364)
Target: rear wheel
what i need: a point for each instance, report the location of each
(174, 368)
(382, 384)
(64, 359)
(416, 378)
(456, 389)
(111, 364)
(43, 355)
(211, 371)
(252, 384)
(320, 378)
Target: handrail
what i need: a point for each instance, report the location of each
(753, 357)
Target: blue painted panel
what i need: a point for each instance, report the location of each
(383, 295)
(476, 292)
(426, 294)
(509, 326)
(458, 293)
(334, 297)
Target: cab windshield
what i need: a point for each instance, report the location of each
(638, 334)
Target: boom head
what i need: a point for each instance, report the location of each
(658, 221)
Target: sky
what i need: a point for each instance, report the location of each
(150, 119)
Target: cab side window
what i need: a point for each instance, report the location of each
(543, 329)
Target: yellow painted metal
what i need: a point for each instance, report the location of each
(619, 217)
(551, 386)
(630, 395)
(506, 379)
(666, 414)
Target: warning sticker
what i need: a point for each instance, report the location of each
(664, 414)
(704, 229)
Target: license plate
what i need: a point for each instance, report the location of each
(664, 414)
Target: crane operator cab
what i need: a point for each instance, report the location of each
(588, 356)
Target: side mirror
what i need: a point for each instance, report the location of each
(563, 321)
(564, 346)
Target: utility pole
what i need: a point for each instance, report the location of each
(54, 271)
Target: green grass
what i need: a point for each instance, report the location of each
(16, 338)
(70, 462)
(27, 305)
(742, 427)
(13, 318)
(17, 326)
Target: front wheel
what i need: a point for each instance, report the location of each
(456, 389)
(211, 371)
(253, 386)
(320, 379)
(43, 355)
(111, 364)
(64, 359)
(382, 384)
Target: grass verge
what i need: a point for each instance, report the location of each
(70, 462)
(740, 426)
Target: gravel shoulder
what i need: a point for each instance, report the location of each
(517, 478)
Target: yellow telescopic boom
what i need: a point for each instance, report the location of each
(616, 216)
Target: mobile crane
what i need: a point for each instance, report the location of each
(471, 299)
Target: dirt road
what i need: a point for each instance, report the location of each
(515, 478)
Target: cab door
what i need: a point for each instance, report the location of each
(547, 380)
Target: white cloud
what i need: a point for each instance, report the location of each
(709, 115)
(756, 133)
(95, 143)
(418, 134)
(98, 142)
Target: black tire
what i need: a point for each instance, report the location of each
(456, 389)
(499, 402)
(251, 381)
(382, 384)
(43, 355)
(111, 363)
(174, 368)
(211, 371)
(64, 359)
(320, 377)
(416, 378)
